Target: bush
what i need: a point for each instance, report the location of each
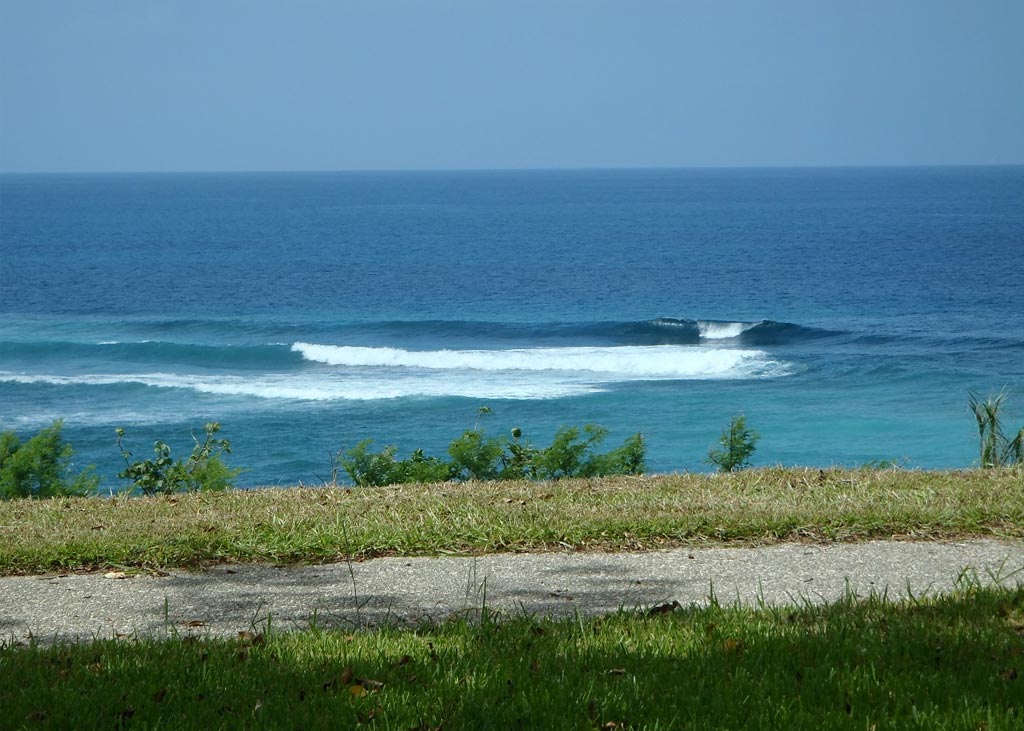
(474, 456)
(426, 470)
(997, 450)
(738, 443)
(204, 470)
(628, 459)
(41, 467)
(366, 468)
(572, 455)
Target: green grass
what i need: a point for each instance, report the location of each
(952, 662)
(329, 524)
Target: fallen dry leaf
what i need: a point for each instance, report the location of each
(732, 645)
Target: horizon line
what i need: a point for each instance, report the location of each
(637, 168)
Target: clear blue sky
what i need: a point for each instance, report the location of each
(159, 85)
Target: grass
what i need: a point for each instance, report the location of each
(949, 662)
(943, 662)
(329, 524)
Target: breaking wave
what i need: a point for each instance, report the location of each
(362, 373)
(625, 362)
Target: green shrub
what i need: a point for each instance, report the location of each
(997, 449)
(567, 455)
(628, 459)
(41, 467)
(475, 456)
(572, 454)
(366, 468)
(426, 470)
(204, 470)
(738, 443)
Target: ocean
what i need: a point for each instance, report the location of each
(846, 312)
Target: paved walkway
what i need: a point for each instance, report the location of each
(228, 599)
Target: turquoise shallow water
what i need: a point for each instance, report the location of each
(847, 312)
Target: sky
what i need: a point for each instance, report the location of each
(238, 85)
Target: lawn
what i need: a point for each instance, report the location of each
(952, 662)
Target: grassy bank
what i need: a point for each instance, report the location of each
(953, 662)
(316, 525)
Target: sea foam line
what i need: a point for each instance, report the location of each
(361, 373)
(330, 387)
(626, 362)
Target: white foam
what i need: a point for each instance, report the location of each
(625, 362)
(336, 387)
(711, 330)
(361, 374)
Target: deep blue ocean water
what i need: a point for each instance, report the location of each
(846, 312)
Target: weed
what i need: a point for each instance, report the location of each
(997, 450)
(204, 470)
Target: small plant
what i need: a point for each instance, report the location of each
(367, 468)
(475, 456)
(41, 466)
(738, 443)
(520, 463)
(997, 450)
(204, 470)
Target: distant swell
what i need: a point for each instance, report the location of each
(660, 331)
(229, 342)
(242, 357)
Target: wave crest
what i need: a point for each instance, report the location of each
(336, 372)
(627, 362)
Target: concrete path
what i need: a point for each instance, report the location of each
(228, 599)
